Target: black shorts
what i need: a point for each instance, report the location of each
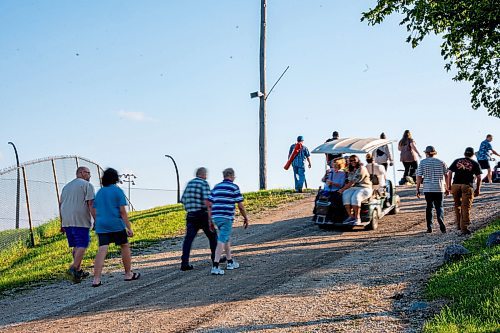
(485, 164)
(117, 237)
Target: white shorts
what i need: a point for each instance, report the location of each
(355, 195)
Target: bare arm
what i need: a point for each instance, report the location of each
(124, 216)
(90, 205)
(419, 182)
(243, 212)
(309, 161)
(414, 147)
(478, 185)
(494, 152)
(448, 180)
(346, 186)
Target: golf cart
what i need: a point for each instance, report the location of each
(383, 202)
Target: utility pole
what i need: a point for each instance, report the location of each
(262, 96)
(18, 184)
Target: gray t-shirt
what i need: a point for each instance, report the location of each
(74, 209)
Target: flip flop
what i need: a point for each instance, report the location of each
(135, 276)
(97, 284)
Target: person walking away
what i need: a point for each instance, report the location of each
(194, 200)
(383, 154)
(409, 157)
(462, 189)
(77, 198)
(377, 175)
(221, 207)
(433, 173)
(483, 155)
(112, 225)
(331, 157)
(299, 172)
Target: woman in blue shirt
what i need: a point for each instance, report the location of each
(112, 225)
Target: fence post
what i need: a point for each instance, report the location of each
(57, 189)
(28, 207)
(99, 174)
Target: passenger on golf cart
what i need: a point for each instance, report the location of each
(329, 200)
(357, 189)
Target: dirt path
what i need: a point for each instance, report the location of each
(293, 277)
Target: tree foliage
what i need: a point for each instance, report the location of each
(471, 39)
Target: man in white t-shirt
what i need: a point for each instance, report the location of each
(77, 198)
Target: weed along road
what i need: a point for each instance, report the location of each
(294, 277)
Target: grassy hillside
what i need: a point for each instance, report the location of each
(22, 266)
(472, 287)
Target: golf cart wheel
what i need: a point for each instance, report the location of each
(374, 221)
(395, 210)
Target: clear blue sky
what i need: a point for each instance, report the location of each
(126, 82)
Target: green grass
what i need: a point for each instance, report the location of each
(472, 287)
(23, 266)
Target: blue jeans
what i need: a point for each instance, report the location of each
(299, 175)
(434, 201)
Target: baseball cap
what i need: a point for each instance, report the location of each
(300, 138)
(469, 151)
(430, 150)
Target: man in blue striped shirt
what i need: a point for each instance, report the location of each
(433, 173)
(194, 200)
(221, 207)
(299, 172)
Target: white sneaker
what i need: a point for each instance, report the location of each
(217, 271)
(233, 265)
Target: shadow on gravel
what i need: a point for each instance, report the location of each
(271, 255)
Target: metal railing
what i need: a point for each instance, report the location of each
(30, 194)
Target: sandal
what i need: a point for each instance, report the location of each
(135, 276)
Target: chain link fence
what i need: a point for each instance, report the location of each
(29, 196)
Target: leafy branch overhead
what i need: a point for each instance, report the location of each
(471, 39)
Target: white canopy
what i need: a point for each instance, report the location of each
(351, 146)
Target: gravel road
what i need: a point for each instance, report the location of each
(293, 277)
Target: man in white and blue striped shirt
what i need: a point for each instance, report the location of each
(221, 209)
(432, 172)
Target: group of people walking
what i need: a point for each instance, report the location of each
(347, 183)
(206, 209)
(352, 184)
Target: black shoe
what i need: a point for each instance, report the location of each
(83, 274)
(186, 267)
(429, 230)
(442, 228)
(75, 276)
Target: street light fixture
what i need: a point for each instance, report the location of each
(18, 184)
(177, 173)
(128, 178)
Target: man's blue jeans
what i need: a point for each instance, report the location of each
(299, 175)
(434, 200)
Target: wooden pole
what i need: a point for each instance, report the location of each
(32, 238)
(262, 104)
